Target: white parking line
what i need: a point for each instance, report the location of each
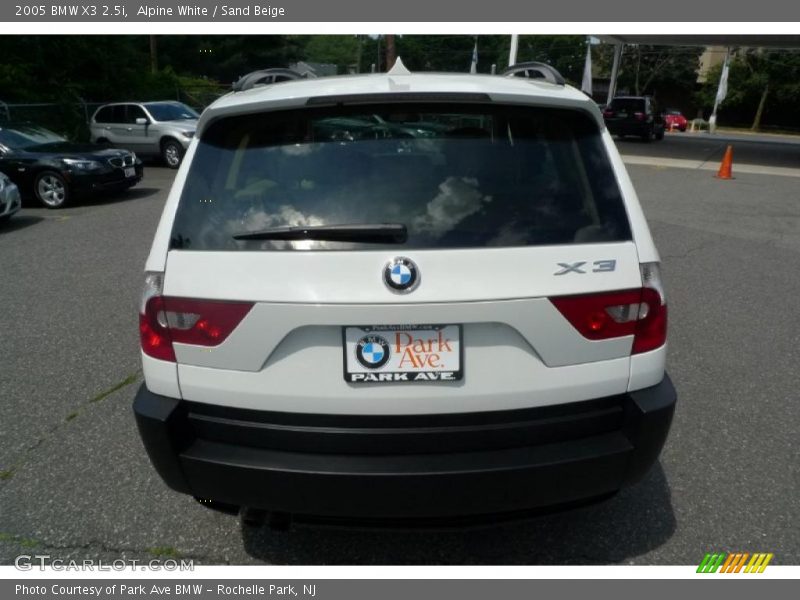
(682, 163)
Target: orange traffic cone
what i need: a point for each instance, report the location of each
(725, 169)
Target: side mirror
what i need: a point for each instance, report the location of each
(142, 121)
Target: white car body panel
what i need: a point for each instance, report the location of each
(157, 259)
(647, 369)
(333, 277)
(161, 376)
(641, 232)
(501, 373)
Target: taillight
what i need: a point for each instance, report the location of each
(164, 320)
(640, 312)
(651, 332)
(608, 113)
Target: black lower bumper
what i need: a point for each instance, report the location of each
(110, 179)
(406, 466)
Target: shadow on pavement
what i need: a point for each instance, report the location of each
(112, 198)
(18, 222)
(633, 522)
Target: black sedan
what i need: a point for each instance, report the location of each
(53, 170)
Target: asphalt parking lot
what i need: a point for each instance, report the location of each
(75, 482)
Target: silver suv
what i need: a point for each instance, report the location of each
(162, 129)
(403, 296)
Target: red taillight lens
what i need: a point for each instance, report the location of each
(601, 316)
(153, 333)
(167, 320)
(203, 322)
(608, 113)
(651, 331)
(641, 313)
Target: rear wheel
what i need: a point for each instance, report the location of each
(172, 153)
(51, 189)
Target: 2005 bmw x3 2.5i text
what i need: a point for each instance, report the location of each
(403, 296)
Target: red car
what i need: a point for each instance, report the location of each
(673, 119)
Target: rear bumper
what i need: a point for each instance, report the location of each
(406, 467)
(629, 127)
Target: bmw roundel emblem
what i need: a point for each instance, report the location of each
(372, 351)
(401, 275)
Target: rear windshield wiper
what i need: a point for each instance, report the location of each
(369, 233)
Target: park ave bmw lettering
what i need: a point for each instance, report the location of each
(403, 353)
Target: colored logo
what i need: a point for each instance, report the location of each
(372, 351)
(735, 562)
(401, 275)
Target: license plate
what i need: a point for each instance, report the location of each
(130, 172)
(402, 353)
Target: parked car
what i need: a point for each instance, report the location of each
(9, 198)
(634, 115)
(675, 119)
(154, 129)
(374, 127)
(466, 323)
(52, 170)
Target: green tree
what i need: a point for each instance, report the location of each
(763, 85)
(344, 51)
(567, 53)
(648, 69)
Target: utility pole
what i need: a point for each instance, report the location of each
(359, 49)
(391, 52)
(153, 54)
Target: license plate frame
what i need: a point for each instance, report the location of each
(393, 370)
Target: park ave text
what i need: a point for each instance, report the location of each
(177, 589)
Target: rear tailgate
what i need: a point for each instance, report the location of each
(505, 207)
(287, 353)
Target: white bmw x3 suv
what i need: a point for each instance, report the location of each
(398, 296)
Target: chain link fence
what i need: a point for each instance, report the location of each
(71, 118)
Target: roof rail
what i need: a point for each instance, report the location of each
(267, 77)
(535, 70)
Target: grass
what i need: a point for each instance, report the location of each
(127, 381)
(22, 541)
(9, 473)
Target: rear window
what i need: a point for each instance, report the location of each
(454, 176)
(628, 104)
